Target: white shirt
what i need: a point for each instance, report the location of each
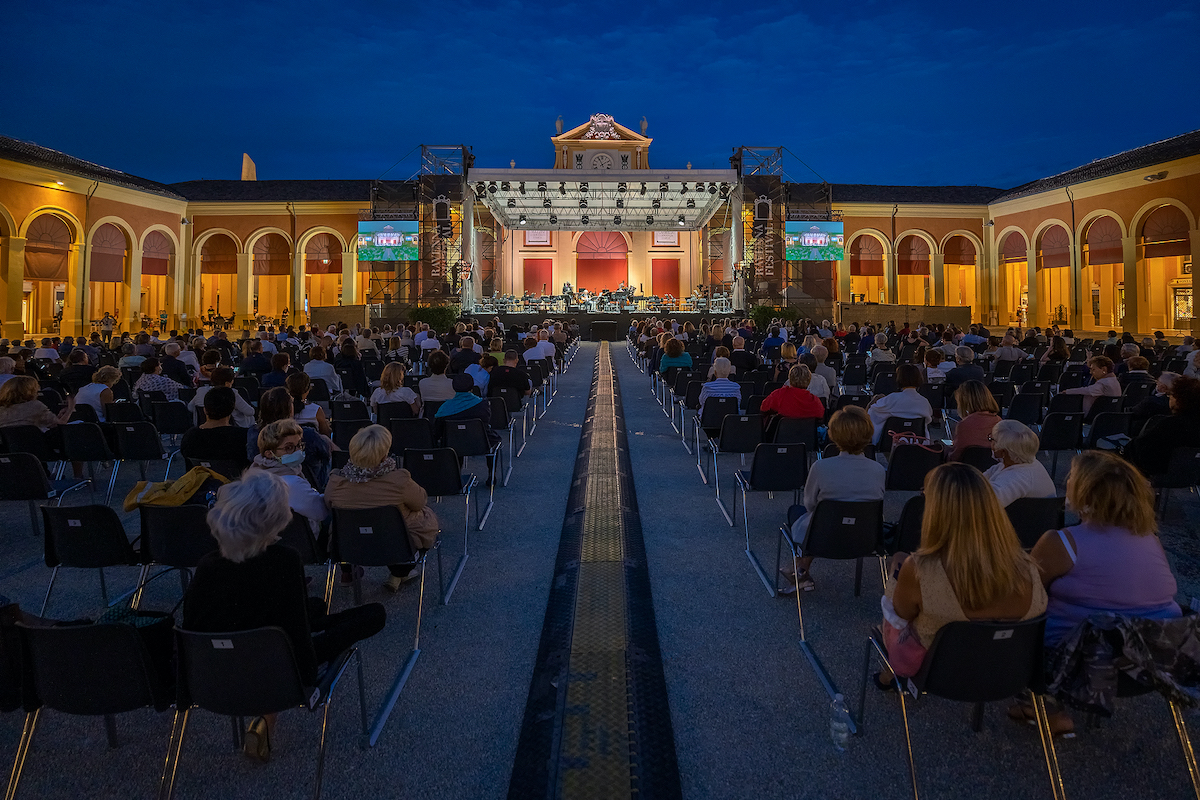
(325, 371)
(365, 343)
(46, 352)
(189, 357)
(402, 395)
(1107, 386)
(430, 343)
(1020, 480)
(269, 346)
(819, 387)
(304, 499)
(243, 412)
(546, 349)
(907, 404)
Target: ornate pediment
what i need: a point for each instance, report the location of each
(601, 143)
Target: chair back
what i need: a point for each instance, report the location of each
(176, 536)
(1135, 393)
(754, 403)
(1033, 516)
(88, 537)
(935, 393)
(1038, 387)
(411, 433)
(344, 430)
(92, 670)
(907, 538)
(1022, 372)
(683, 379)
(854, 375)
(429, 408)
(22, 477)
(239, 673)
(979, 457)
(842, 529)
(511, 398)
(740, 433)
(899, 425)
(1061, 431)
(123, 412)
(298, 535)
(715, 409)
(466, 437)
(84, 413)
(28, 439)
(138, 441)
(908, 466)
(779, 467)
(1183, 470)
(1066, 403)
(1110, 423)
(1050, 371)
(349, 410)
(230, 469)
(84, 441)
(370, 537)
(860, 400)
(499, 409)
(1103, 405)
(792, 430)
(1026, 408)
(692, 398)
(1003, 369)
(436, 470)
(390, 411)
(318, 392)
(172, 419)
(983, 662)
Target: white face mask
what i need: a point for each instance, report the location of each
(292, 458)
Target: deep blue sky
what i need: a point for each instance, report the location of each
(865, 92)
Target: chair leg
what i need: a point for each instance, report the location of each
(362, 694)
(912, 764)
(33, 517)
(321, 751)
(1185, 741)
(22, 752)
(166, 784)
(112, 481)
(46, 601)
(1047, 737)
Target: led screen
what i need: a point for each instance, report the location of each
(814, 241)
(387, 241)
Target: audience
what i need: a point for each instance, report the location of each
(98, 394)
(275, 405)
(979, 412)
(1019, 473)
(243, 412)
(153, 380)
(19, 405)
(305, 412)
(465, 404)
(1151, 451)
(720, 385)
(907, 403)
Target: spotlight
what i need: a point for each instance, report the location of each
(621, 187)
(584, 219)
(724, 190)
(712, 188)
(643, 188)
(681, 222)
(546, 203)
(521, 187)
(492, 187)
(682, 189)
(512, 203)
(504, 186)
(480, 188)
(541, 186)
(655, 203)
(562, 187)
(662, 187)
(691, 203)
(553, 219)
(617, 219)
(649, 219)
(620, 202)
(699, 186)
(583, 202)
(522, 221)
(583, 187)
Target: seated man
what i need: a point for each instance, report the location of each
(740, 358)
(967, 370)
(243, 412)
(78, 373)
(720, 385)
(256, 363)
(217, 439)
(509, 375)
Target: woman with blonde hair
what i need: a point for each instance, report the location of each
(970, 566)
(98, 393)
(392, 389)
(979, 412)
(787, 360)
(19, 405)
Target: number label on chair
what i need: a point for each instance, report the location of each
(462, 427)
(848, 520)
(428, 456)
(222, 644)
(129, 429)
(74, 523)
(780, 449)
(1002, 634)
(365, 530)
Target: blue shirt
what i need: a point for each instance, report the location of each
(720, 387)
(479, 375)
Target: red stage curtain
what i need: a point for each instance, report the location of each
(107, 263)
(539, 272)
(156, 254)
(912, 256)
(596, 274)
(664, 276)
(218, 256)
(1055, 250)
(48, 244)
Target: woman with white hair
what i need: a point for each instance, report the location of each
(371, 479)
(881, 351)
(1019, 473)
(252, 581)
(720, 385)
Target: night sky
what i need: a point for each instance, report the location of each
(867, 92)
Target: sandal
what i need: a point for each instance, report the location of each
(889, 686)
(257, 743)
(1061, 724)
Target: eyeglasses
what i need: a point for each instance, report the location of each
(291, 448)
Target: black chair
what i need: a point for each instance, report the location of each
(515, 403)
(344, 430)
(229, 469)
(248, 674)
(690, 401)
(909, 465)
(1060, 432)
(89, 670)
(429, 409)
(1026, 408)
(349, 410)
(754, 403)
(248, 387)
(935, 393)
(979, 457)
(1183, 472)
(438, 472)
(123, 412)
(915, 427)
(84, 413)
(373, 537)
(24, 479)
(318, 392)
(1135, 393)
(1110, 423)
(1038, 387)
(85, 537)
(1033, 516)
(172, 419)
(175, 537)
(140, 442)
(905, 535)
(386, 412)
(1066, 404)
(502, 421)
(793, 430)
(85, 442)
(30, 439)
(776, 467)
(1021, 373)
(1103, 405)
(854, 375)
(977, 663)
(412, 433)
(739, 434)
(468, 437)
(708, 420)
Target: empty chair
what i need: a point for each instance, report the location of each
(411, 433)
(1033, 516)
(439, 473)
(85, 537)
(708, 421)
(979, 457)
(349, 410)
(175, 537)
(1026, 407)
(899, 425)
(777, 467)
(172, 419)
(390, 411)
(23, 478)
(1103, 405)
(85, 442)
(469, 437)
(1037, 387)
(908, 466)
(1066, 403)
(1135, 393)
(344, 430)
(739, 434)
(1060, 432)
(30, 439)
(140, 442)
(905, 535)
(230, 469)
(123, 412)
(502, 421)
(795, 430)
(1183, 472)
(1108, 424)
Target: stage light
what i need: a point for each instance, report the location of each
(583, 187)
(583, 202)
(521, 187)
(681, 222)
(724, 191)
(553, 219)
(621, 187)
(541, 186)
(512, 203)
(662, 187)
(649, 219)
(492, 187)
(546, 203)
(699, 186)
(643, 187)
(691, 203)
(522, 220)
(617, 219)
(682, 189)
(562, 187)
(480, 188)
(584, 219)
(712, 188)
(656, 203)
(620, 202)
(504, 186)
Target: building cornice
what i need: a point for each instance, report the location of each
(301, 209)
(73, 184)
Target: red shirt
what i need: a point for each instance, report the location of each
(788, 401)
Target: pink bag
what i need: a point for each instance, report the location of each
(904, 648)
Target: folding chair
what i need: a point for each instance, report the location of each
(1060, 432)
(1066, 404)
(24, 478)
(175, 537)
(977, 663)
(468, 437)
(140, 442)
(1183, 472)
(1103, 405)
(690, 401)
(776, 468)
(1033, 516)
(908, 466)
(123, 412)
(1026, 408)
(898, 425)
(174, 420)
(390, 411)
(502, 421)
(438, 472)
(709, 421)
(250, 673)
(515, 403)
(89, 670)
(1109, 423)
(85, 537)
(344, 410)
(1135, 393)
(979, 457)
(412, 433)
(344, 430)
(230, 469)
(30, 439)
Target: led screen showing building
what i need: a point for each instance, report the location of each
(387, 241)
(814, 241)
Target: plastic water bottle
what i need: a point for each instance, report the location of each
(839, 723)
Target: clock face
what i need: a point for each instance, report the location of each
(602, 161)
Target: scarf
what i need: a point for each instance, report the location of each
(356, 474)
(274, 466)
(460, 402)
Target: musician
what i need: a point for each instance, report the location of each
(567, 289)
(621, 286)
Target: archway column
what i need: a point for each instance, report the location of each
(12, 283)
(133, 291)
(183, 277)
(75, 298)
(1195, 243)
(1134, 312)
(1075, 290)
(889, 277)
(245, 294)
(843, 282)
(937, 270)
(296, 303)
(349, 276)
(1032, 313)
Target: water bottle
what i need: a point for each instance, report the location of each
(839, 723)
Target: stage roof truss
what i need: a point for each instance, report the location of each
(545, 195)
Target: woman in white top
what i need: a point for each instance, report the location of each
(306, 413)
(907, 403)
(1105, 383)
(98, 393)
(318, 368)
(818, 386)
(881, 352)
(392, 390)
(1019, 473)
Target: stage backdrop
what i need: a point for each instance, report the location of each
(539, 271)
(602, 260)
(665, 276)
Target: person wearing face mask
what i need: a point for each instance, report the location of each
(281, 452)
(276, 404)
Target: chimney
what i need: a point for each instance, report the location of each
(248, 171)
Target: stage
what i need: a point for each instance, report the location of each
(586, 321)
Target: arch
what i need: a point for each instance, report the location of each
(254, 237)
(165, 231)
(1053, 245)
(577, 235)
(1102, 238)
(1165, 233)
(158, 253)
(960, 250)
(202, 239)
(971, 237)
(1092, 216)
(601, 260)
(48, 241)
(1135, 227)
(72, 222)
(913, 254)
(218, 255)
(877, 235)
(867, 252)
(323, 255)
(271, 254)
(303, 239)
(601, 244)
(8, 225)
(110, 246)
(924, 235)
(1010, 249)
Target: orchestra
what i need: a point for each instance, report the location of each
(714, 298)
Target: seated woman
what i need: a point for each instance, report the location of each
(1151, 450)
(1104, 382)
(970, 566)
(210, 362)
(371, 479)
(1019, 473)
(936, 365)
(794, 399)
(318, 368)
(98, 393)
(153, 380)
(19, 405)
(281, 452)
(674, 355)
(276, 404)
(298, 386)
(280, 364)
(907, 403)
(392, 390)
(1058, 352)
(1111, 562)
(880, 352)
(252, 581)
(849, 475)
(787, 360)
(465, 404)
(720, 351)
(979, 412)
(438, 385)
(128, 357)
(218, 439)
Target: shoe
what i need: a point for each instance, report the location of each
(1061, 724)
(349, 577)
(890, 686)
(257, 742)
(394, 583)
(805, 583)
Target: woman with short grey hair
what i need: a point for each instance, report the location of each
(1019, 473)
(252, 581)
